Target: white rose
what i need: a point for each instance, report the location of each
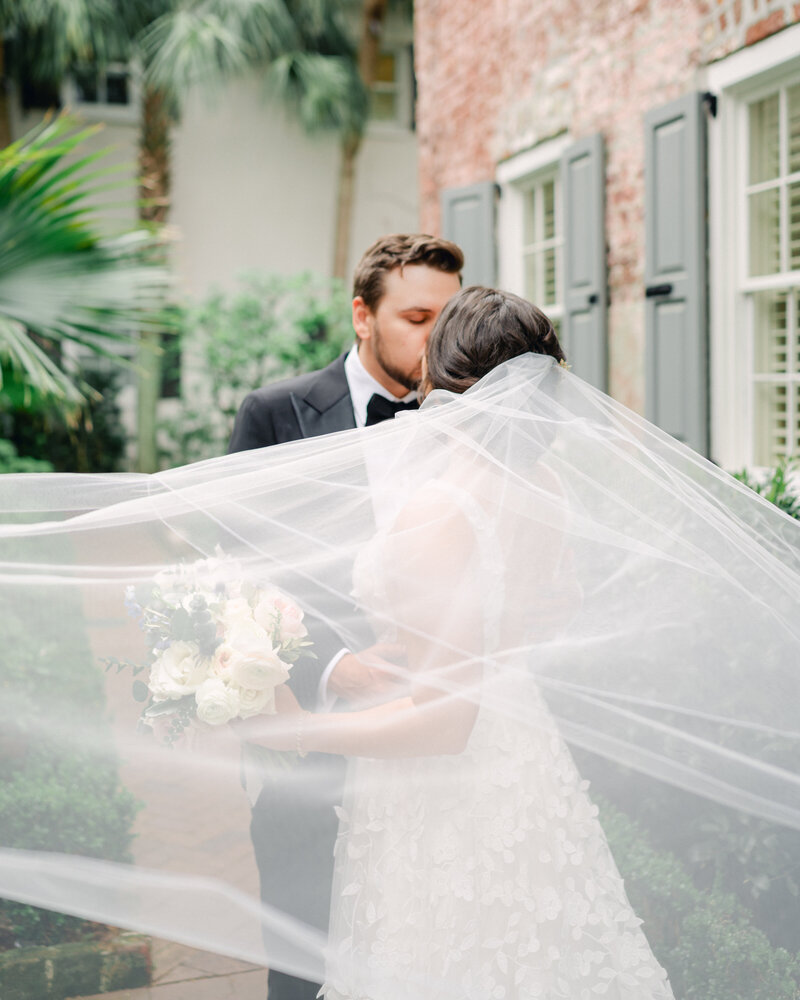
(235, 613)
(176, 671)
(221, 662)
(216, 702)
(253, 662)
(252, 702)
(273, 606)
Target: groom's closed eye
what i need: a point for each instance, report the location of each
(417, 315)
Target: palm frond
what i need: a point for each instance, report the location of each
(49, 36)
(209, 41)
(304, 45)
(325, 91)
(187, 47)
(60, 281)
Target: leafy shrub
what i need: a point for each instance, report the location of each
(719, 848)
(775, 487)
(70, 802)
(90, 439)
(704, 939)
(10, 461)
(271, 328)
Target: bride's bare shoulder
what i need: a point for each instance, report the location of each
(435, 521)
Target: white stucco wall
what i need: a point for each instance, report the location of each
(253, 192)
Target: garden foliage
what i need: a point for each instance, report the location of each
(705, 938)
(71, 803)
(271, 328)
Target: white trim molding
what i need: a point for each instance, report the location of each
(736, 81)
(512, 176)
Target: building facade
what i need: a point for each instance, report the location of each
(633, 167)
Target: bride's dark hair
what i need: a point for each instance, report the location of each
(478, 330)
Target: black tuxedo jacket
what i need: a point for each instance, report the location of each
(301, 407)
(294, 841)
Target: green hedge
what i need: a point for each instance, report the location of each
(91, 439)
(52, 799)
(706, 940)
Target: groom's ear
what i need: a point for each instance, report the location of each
(362, 315)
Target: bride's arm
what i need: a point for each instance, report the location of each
(431, 579)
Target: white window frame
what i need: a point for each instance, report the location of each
(515, 177)
(736, 81)
(403, 89)
(102, 111)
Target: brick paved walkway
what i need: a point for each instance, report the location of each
(183, 834)
(185, 974)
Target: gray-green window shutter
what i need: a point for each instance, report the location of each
(468, 218)
(676, 354)
(585, 283)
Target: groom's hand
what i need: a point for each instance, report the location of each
(377, 673)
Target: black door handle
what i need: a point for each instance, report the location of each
(653, 291)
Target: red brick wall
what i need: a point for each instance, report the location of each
(499, 76)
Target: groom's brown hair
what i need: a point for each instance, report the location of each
(398, 250)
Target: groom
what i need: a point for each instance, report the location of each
(400, 286)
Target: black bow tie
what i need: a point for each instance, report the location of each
(380, 408)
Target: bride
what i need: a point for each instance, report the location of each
(554, 571)
(470, 860)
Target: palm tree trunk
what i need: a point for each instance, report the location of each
(348, 152)
(154, 187)
(373, 15)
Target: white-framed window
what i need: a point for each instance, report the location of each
(531, 230)
(754, 188)
(110, 93)
(392, 93)
(771, 284)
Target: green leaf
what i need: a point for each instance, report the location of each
(141, 692)
(60, 280)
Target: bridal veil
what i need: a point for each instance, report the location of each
(649, 599)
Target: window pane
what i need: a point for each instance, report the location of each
(772, 437)
(771, 335)
(86, 85)
(550, 296)
(794, 227)
(386, 68)
(529, 218)
(795, 334)
(793, 136)
(764, 140)
(796, 425)
(532, 278)
(549, 209)
(765, 244)
(117, 88)
(383, 106)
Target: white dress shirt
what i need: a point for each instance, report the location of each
(363, 387)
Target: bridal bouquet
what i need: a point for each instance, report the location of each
(218, 646)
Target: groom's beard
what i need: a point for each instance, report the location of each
(409, 380)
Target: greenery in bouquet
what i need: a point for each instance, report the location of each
(218, 645)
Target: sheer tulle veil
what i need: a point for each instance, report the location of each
(647, 597)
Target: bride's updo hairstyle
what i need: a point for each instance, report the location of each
(478, 330)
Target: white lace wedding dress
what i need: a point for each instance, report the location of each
(484, 875)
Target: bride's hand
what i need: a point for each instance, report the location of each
(276, 732)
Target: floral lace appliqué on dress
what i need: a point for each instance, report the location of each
(481, 879)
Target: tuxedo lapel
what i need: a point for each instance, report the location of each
(325, 406)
